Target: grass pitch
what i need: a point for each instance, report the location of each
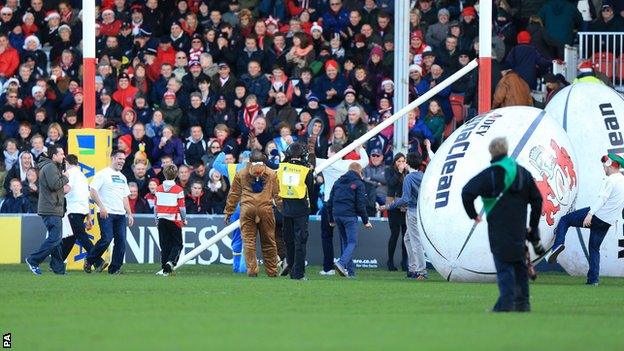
(209, 308)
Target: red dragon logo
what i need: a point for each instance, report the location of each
(557, 177)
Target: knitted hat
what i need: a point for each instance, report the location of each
(169, 94)
(52, 14)
(444, 12)
(387, 81)
(315, 26)
(469, 11)
(524, 37)
(36, 89)
(331, 64)
(349, 90)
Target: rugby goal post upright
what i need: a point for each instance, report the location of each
(340, 154)
(88, 62)
(485, 56)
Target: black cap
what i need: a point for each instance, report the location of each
(165, 39)
(104, 91)
(145, 32)
(150, 51)
(196, 36)
(428, 53)
(123, 76)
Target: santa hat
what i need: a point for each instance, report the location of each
(315, 26)
(387, 81)
(6, 10)
(32, 38)
(417, 34)
(36, 89)
(26, 15)
(415, 67)
(52, 14)
(331, 63)
(64, 27)
(612, 160)
(586, 67)
(107, 11)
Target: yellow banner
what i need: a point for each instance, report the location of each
(10, 239)
(93, 148)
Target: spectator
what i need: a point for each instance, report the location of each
(30, 187)
(183, 178)
(216, 192)
(8, 123)
(172, 113)
(437, 32)
(512, 90)
(429, 12)
(251, 52)
(224, 114)
(128, 119)
(151, 196)
(554, 84)
(349, 101)
(525, 60)
(222, 136)
(196, 147)
(56, 136)
(608, 21)
(434, 119)
(125, 93)
(10, 154)
(25, 133)
(19, 169)
(168, 145)
(331, 86)
(279, 83)
(505, 30)
(38, 147)
(155, 127)
(337, 18)
(395, 175)
(418, 47)
(355, 126)
(138, 176)
(541, 39)
(256, 82)
(138, 204)
(339, 136)
(109, 108)
(375, 174)
(282, 112)
(197, 200)
(9, 59)
(285, 137)
(561, 18)
(224, 83)
(16, 201)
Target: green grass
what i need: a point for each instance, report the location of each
(208, 308)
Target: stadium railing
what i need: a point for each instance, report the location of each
(606, 51)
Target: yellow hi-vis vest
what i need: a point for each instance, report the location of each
(291, 179)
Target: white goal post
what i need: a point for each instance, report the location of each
(340, 154)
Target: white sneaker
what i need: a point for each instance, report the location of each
(329, 272)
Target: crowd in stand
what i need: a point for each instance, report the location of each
(200, 83)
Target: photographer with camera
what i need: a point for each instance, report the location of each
(506, 188)
(296, 182)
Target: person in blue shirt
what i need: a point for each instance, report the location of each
(417, 266)
(347, 202)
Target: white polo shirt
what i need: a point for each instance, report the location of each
(78, 197)
(112, 188)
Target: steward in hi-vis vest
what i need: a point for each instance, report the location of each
(296, 181)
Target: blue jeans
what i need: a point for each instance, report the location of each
(513, 286)
(238, 264)
(347, 227)
(51, 246)
(597, 232)
(327, 240)
(112, 227)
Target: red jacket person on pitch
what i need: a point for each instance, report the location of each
(170, 211)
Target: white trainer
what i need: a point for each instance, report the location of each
(329, 272)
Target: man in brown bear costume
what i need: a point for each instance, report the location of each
(257, 189)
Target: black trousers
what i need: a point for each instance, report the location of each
(513, 286)
(398, 227)
(77, 222)
(170, 238)
(296, 236)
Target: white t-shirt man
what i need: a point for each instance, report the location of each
(112, 188)
(337, 169)
(608, 205)
(78, 197)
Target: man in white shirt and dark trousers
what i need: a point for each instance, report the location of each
(330, 175)
(602, 214)
(77, 200)
(109, 189)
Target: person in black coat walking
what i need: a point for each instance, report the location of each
(506, 189)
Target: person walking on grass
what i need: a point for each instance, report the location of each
(347, 202)
(417, 266)
(506, 189)
(170, 212)
(109, 189)
(599, 217)
(51, 207)
(77, 208)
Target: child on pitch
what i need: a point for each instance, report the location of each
(170, 212)
(347, 202)
(417, 266)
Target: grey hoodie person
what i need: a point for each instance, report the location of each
(51, 183)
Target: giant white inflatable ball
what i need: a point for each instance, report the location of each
(593, 116)
(458, 248)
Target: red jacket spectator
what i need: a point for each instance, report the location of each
(125, 93)
(9, 58)
(109, 27)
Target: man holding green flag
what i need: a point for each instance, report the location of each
(506, 189)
